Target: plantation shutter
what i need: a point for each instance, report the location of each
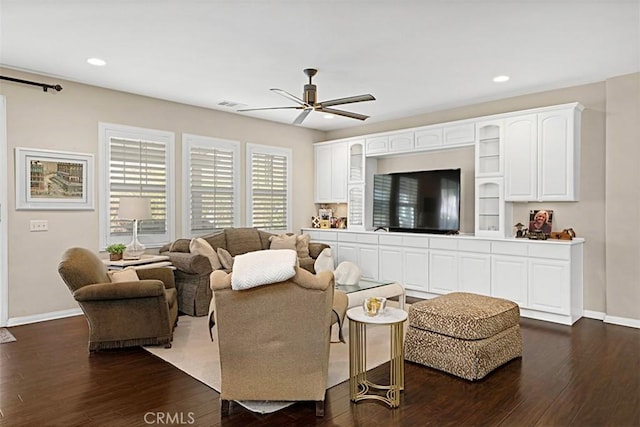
(138, 168)
(407, 202)
(212, 195)
(269, 191)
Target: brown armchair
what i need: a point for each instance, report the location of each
(123, 314)
(274, 339)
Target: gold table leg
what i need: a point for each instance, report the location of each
(359, 386)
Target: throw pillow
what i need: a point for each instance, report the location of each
(302, 245)
(225, 258)
(283, 241)
(126, 275)
(202, 247)
(324, 262)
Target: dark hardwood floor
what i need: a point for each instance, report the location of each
(585, 375)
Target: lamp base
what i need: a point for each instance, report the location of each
(135, 249)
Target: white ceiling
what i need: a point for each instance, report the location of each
(413, 56)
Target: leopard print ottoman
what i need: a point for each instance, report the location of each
(464, 334)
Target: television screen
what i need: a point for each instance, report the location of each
(427, 201)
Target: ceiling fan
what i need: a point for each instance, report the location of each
(309, 103)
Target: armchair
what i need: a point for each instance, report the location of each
(123, 314)
(274, 339)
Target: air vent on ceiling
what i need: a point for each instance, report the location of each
(232, 104)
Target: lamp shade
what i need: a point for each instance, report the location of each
(134, 208)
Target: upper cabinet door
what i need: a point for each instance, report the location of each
(557, 179)
(489, 148)
(521, 158)
(401, 142)
(356, 162)
(459, 134)
(331, 166)
(377, 145)
(429, 137)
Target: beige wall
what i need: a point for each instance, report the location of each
(587, 216)
(623, 197)
(68, 121)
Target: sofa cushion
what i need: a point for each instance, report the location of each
(216, 240)
(242, 240)
(202, 247)
(126, 275)
(283, 241)
(302, 245)
(225, 258)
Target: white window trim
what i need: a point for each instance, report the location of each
(188, 142)
(266, 149)
(106, 131)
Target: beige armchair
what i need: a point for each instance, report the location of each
(123, 314)
(274, 339)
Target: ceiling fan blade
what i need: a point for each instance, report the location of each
(343, 113)
(271, 108)
(302, 116)
(347, 100)
(290, 96)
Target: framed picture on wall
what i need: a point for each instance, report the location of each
(53, 180)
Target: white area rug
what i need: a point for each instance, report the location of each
(193, 352)
(6, 336)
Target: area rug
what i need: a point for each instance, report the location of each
(6, 336)
(193, 352)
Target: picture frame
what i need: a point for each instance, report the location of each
(537, 225)
(53, 180)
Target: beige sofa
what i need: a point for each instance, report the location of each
(193, 270)
(274, 339)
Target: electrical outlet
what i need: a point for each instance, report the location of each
(39, 225)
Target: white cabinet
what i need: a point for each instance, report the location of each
(443, 271)
(542, 154)
(490, 210)
(390, 143)
(474, 266)
(459, 134)
(356, 162)
(356, 207)
(489, 148)
(543, 277)
(331, 165)
(429, 137)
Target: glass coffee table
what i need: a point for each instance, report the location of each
(370, 288)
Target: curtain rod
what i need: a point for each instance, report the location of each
(44, 86)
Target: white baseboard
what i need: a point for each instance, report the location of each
(598, 315)
(622, 321)
(23, 320)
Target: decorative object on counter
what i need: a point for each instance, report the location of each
(566, 234)
(374, 306)
(343, 222)
(541, 220)
(325, 223)
(347, 273)
(325, 213)
(315, 222)
(115, 251)
(520, 230)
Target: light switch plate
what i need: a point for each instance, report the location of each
(39, 225)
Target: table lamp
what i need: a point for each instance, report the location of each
(134, 209)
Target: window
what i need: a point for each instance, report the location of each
(136, 162)
(211, 182)
(268, 187)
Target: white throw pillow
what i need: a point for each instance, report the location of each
(225, 258)
(347, 273)
(202, 247)
(324, 262)
(283, 241)
(126, 275)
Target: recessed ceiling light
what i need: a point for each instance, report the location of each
(500, 79)
(97, 62)
(328, 116)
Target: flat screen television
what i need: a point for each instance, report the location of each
(419, 202)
